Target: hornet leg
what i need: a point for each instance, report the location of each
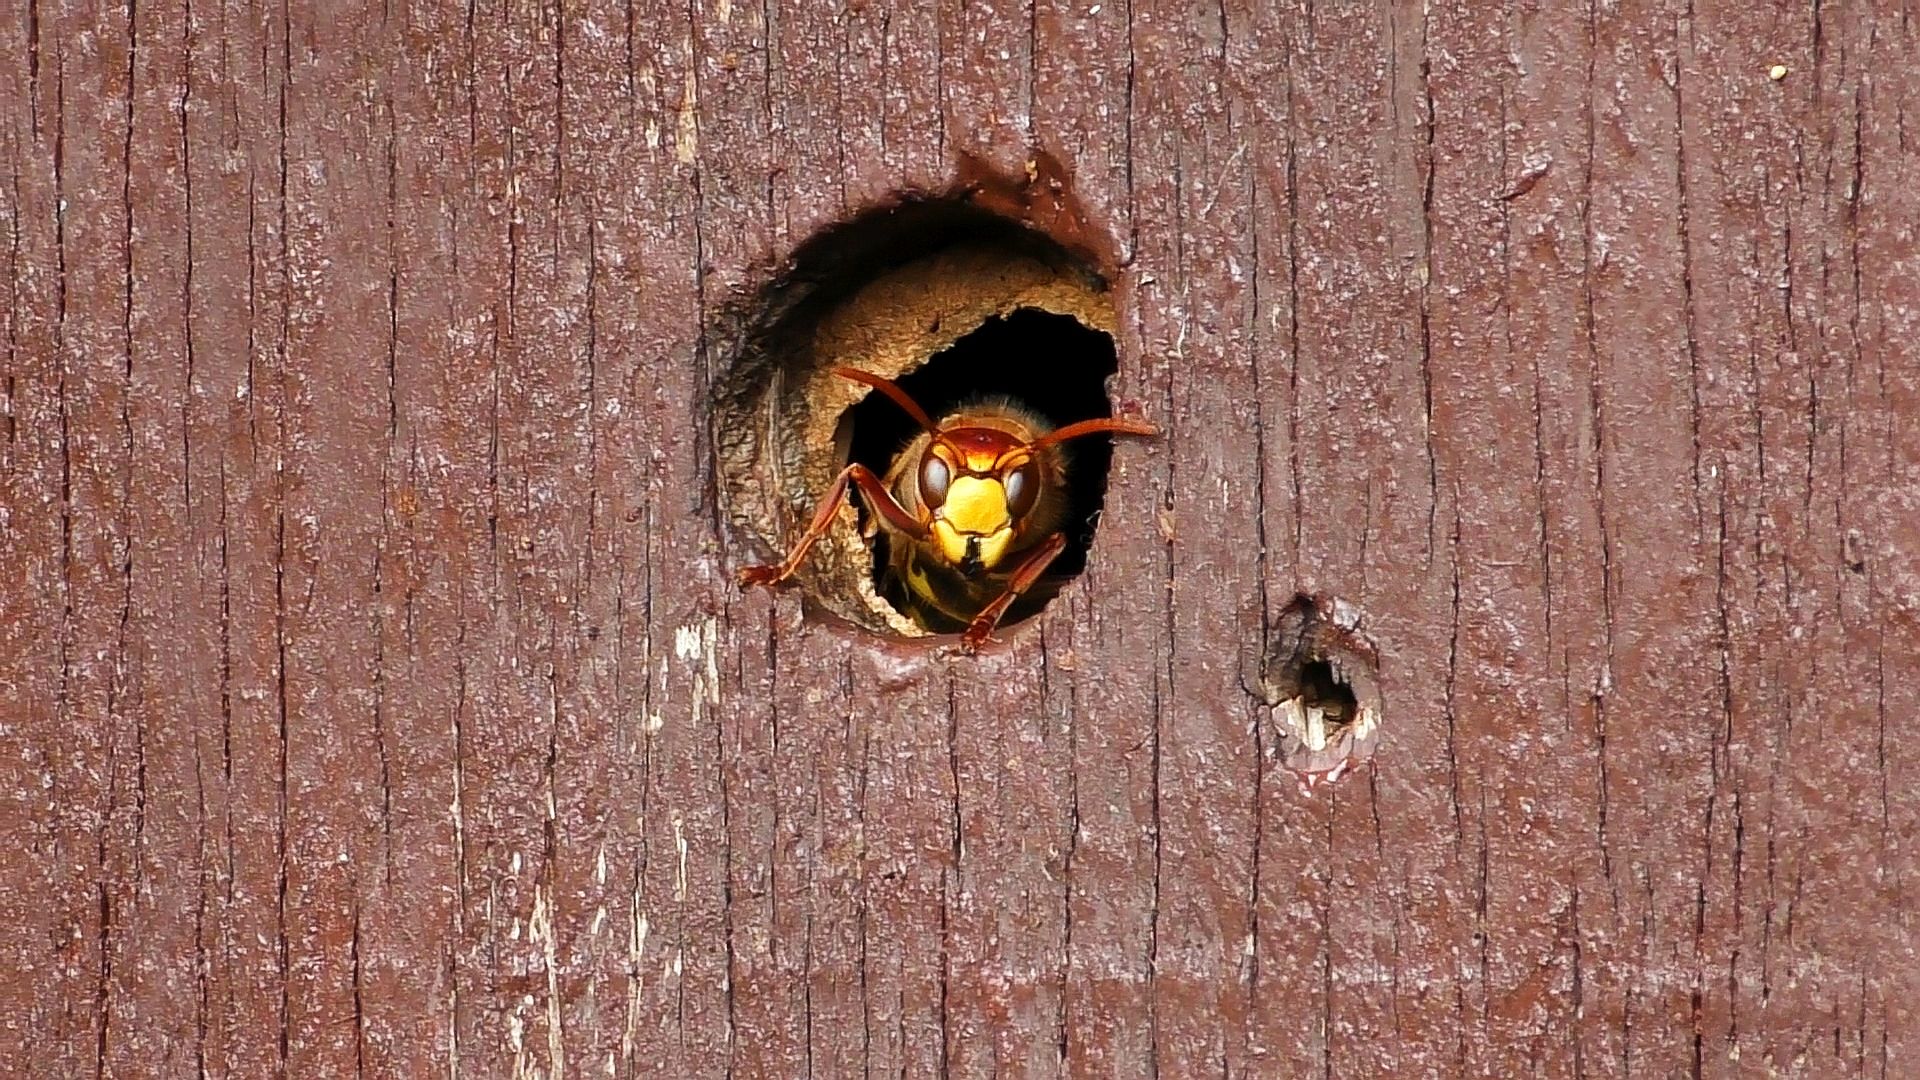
(980, 630)
(879, 500)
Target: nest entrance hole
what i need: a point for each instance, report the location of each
(954, 303)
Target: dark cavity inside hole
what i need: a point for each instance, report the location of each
(1321, 688)
(1052, 364)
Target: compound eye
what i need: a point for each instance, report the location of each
(1022, 487)
(933, 480)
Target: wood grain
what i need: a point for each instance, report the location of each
(378, 700)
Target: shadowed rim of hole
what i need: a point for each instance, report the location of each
(1320, 678)
(938, 295)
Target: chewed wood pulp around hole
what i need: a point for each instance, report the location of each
(958, 306)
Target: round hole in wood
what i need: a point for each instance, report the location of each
(1320, 678)
(957, 305)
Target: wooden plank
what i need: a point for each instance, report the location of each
(384, 701)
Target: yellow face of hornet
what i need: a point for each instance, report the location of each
(977, 483)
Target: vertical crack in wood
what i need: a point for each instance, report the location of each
(10, 404)
(1452, 687)
(1153, 908)
(281, 451)
(1032, 66)
(863, 901)
(1430, 167)
(1598, 448)
(1163, 690)
(1682, 35)
(1250, 973)
(1682, 48)
(950, 879)
(380, 584)
(283, 944)
(1294, 470)
(1483, 925)
(1133, 198)
(453, 960)
(202, 962)
(357, 981)
(546, 896)
(1063, 1032)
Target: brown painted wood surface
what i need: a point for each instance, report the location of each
(375, 698)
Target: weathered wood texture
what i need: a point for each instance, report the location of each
(375, 696)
